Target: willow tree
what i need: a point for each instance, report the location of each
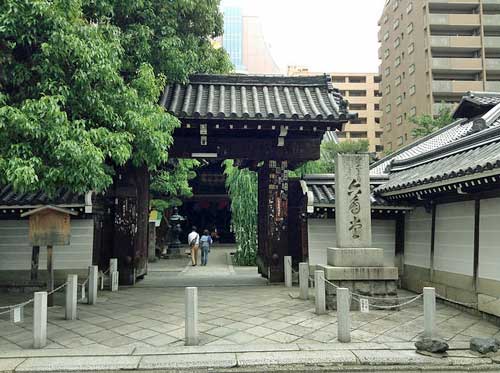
(242, 186)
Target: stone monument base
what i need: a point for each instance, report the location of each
(378, 282)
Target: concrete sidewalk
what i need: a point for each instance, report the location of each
(290, 357)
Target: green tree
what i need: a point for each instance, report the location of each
(80, 82)
(326, 163)
(242, 187)
(427, 124)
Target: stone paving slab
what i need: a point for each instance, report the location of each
(188, 361)
(214, 349)
(84, 351)
(304, 357)
(7, 365)
(78, 364)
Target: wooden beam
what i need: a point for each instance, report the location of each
(50, 278)
(477, 210)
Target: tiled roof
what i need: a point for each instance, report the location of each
(445, 136)
(323, 190)
(458, 150)
(255, 97)
(467, 162)
(9, 197)
(476, 103)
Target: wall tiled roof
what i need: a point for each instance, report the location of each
(254, 97)
(9, 197)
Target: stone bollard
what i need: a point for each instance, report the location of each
(93, 277)
(113, 273)
(71, 297)
(304, 280)
(40, 320)
(319, 288)
(191, 322)
(429, 312)
(343, 317)
(288, 271)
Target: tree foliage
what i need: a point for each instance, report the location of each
(80, 82)
(242, 187)
(326, 163)
(427, 123)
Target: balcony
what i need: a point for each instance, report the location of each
(493, 86)
(456, 87)
(492, 42)
(462, 43)
(493, 64)
(450, 21)
(460, 2)
(457, 64)
(491, 21)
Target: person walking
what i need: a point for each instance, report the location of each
(194, 243)
(205, 242)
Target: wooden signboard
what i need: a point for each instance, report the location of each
(49, 226)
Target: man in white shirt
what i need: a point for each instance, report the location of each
(194, 243)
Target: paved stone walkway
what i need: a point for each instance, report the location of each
(151, 315)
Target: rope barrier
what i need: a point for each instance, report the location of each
(17, 305)
(456, 302)
(416, 297)
(57, 289)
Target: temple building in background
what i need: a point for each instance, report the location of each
(431, 53)
(244, 41)
(362, 92)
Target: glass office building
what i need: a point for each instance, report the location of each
(233, 36)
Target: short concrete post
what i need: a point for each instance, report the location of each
(304, 280)
(40, 319)
(343, 317)
(319, 289)
(113, 274)
(191, 322)
(113, 265)
(429, 312)
(71, 297)
(93, 277)
(288, 271)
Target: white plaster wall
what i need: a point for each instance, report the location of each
(417, 249)
(322, 234)
(489, 239)
(454, 238)
(15, 250)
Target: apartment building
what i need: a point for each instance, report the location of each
(432, 52)
(362, 92)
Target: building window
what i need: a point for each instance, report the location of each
(358, 121)
(409, 28)
(338, 79)
(400, 140)
(386, 54)
(411, 69)
(397, 62)
(412, 90)
(356, 79)
(377, 120)
(377, 79)
(357, 93)
(397, 42)
(357, 106)
(387, 71)
(399, 120)
(388, 127)
(406, 137)
(411, 48)
(409, 8)
(386, 35)
(378, 134)
(399, 100)
(413, 111)
(386, 18)
(398, 81)
(388, 108)
(376, 107)
(358, 135)
(377, 93)
(388, 90)
(379, 148)
(395, 25)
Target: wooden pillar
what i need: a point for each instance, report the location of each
(50, 278)
(273, 219)
(130, 243)
(35, 254)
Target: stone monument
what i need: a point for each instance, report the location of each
(354, 263)
(175, 229)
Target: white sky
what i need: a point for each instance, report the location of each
(323, 35)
